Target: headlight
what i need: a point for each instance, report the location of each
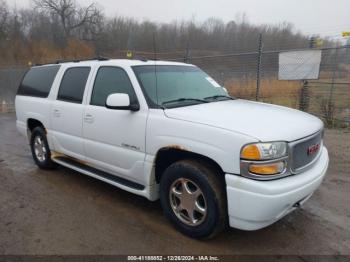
(264, 151)
(264, 160)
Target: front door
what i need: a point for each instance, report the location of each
(114, 139)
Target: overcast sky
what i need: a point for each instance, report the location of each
(326, 17)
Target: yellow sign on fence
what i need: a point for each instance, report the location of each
(345, 34)
(319, 42)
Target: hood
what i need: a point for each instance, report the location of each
(264, 122)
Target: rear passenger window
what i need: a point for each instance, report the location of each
(37, 81)
(73, 84)
(110, 80)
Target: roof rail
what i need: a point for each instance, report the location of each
(60, 61)
(141, 58)
(98, 58)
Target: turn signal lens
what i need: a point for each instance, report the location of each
(264, 151)
(268, 169)
(250, 152)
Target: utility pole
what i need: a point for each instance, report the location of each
(304, 96)
(260, 47)
(130, 46)
(330, 100)
(304, 101)
(333, 75)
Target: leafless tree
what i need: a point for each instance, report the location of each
(4, 14)
(70, 14)
(53, 24)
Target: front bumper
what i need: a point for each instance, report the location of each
(256, 204)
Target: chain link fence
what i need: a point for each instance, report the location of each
(254, 76)
(10, 78)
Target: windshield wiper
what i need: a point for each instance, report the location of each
(184, 100)
(219, 96)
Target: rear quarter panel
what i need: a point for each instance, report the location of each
(31, 107)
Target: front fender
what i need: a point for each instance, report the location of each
(220, 145)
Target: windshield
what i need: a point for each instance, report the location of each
(178, 85)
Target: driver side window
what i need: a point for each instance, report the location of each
(110, 80)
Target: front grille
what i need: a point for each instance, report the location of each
(300, 155)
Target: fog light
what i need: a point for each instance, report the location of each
(267, 169)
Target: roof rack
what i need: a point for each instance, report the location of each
(98, 58)
(141, 58)
(60, 61)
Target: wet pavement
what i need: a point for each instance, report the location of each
(63, 212)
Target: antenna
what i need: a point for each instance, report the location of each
(155, 66)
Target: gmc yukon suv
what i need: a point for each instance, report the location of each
(168, 131)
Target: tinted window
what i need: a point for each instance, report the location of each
(73, 84)
(38, 81)
(110, 80)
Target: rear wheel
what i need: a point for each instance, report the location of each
(40, 149)
(193, 198)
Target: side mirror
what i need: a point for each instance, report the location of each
(120, 101)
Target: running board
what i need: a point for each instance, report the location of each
(95, 173)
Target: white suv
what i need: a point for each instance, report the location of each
(168, 130)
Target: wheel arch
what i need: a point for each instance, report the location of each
(171, 154)
(33, 123)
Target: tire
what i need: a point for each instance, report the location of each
(188, 176)
(40, 149)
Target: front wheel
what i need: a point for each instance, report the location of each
(193, 198)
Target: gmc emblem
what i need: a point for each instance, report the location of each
(313, 149)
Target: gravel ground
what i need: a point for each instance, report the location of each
(63, 212)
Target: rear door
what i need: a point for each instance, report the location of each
(67, 112)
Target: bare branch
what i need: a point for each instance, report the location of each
(71, 16)
(4, 13)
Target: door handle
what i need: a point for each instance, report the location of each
(89, 118)
(56, 113)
